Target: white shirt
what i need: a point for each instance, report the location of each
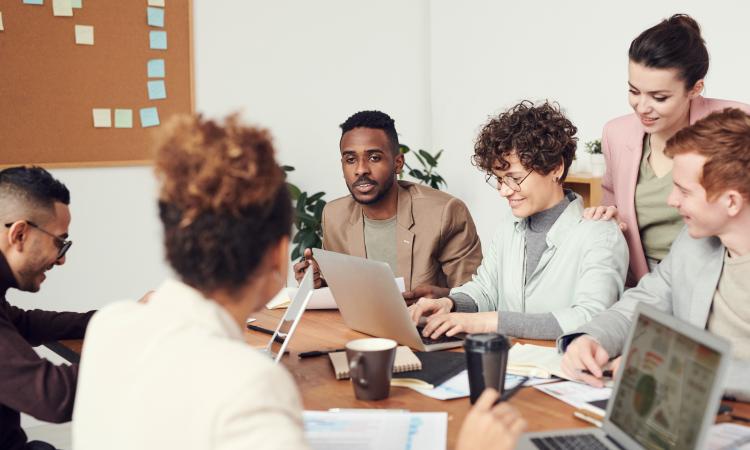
(177, 373)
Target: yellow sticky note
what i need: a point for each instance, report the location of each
(62, 8)
(123, 118)
(84, 35)
(102, 117)
(1, 21)
(156, 3)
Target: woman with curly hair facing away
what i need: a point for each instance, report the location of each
(667, 66)
(176, 372)
(547, 271)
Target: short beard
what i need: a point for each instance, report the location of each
(379, 196)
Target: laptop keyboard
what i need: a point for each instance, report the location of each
(569, 442)
(439, 340)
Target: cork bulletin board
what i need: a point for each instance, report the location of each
(81, 83)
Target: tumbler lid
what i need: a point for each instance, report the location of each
(485, 342)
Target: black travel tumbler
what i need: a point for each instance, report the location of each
(486, 360)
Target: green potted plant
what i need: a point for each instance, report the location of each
(308, 217)
(594, 149)
(425, 175)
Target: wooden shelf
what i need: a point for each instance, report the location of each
(587, 186)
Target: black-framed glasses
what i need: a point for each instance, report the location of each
(63, 245)
(497, 182)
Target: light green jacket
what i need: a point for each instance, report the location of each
(580, 274)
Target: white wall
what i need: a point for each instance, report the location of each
(439, 68)
(488, 55)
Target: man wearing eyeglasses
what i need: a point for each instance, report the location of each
(33, 240)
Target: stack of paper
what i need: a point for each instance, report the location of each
(535, 361)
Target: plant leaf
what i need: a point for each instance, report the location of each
(427, 157)
(317, 196)
(294, 191)
(404, 149)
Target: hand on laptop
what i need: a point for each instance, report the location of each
(425, 290)
(301, 267)
(426, 307)
(453, 323)
(584, 360)
(490, 428)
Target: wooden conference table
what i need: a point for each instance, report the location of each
(324, 330)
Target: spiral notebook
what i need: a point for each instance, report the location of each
(405, 361)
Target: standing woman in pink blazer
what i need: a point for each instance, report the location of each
(668, 63)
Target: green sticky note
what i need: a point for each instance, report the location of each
(149, 117)
(155, 16)
(76, 4)
(123, 118)
(33, 2)
(155, 68)
(158, 40)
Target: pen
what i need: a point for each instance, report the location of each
(319, 353)
(279, 338)
(605, 373)
(507, 395)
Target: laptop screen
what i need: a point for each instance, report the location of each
(665, 388)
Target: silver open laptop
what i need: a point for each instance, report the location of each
(666, 394)
(370, 301)
(285, 329)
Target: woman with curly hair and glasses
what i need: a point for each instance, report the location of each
(176, 372)
(547, 271)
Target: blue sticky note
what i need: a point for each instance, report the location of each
(158, 40)
(149, 117)
(155, 68)
(157, 90)
(33, 2)
(155, 16)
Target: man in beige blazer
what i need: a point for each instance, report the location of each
(427, 236)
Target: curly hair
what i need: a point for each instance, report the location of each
(541, 136)
(222, 199)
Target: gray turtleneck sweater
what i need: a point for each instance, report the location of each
(542, 325)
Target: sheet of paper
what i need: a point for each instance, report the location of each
(376, 429)
(157, 90)
(728, 436)
(577, 394)
(1, 21)
(33, 2)
(62, 8)
(155, 68)
(102, 117)
(156, 3)
(123, 118)
(84, 34)
(158, 40)
(155, 16)
(458, 386)
(149, 117)
(76, 4)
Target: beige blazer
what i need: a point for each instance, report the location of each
(436, 239)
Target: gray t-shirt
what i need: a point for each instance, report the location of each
(380, 241)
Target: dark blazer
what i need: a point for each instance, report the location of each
(28, 383)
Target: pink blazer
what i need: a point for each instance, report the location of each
(622, 145)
